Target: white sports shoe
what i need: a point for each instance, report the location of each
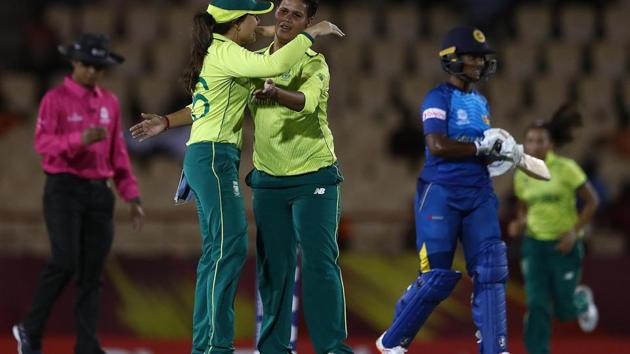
(383, 350)
(589, 318)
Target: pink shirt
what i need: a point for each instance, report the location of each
(65, 111)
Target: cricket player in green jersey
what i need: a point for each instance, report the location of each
(553, 250)
(218, 79)
(296, 194)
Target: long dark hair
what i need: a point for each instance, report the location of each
(204, 25)
(561, 125)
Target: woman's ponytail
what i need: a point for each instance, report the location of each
(203, 28)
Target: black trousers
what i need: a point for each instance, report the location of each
(78, 215)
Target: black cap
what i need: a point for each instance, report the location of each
(91, 48)
(465, 40)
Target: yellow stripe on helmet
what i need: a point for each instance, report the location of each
(447, 51)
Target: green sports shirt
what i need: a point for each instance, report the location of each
(286, 142)
(224, 86)
(551, 209)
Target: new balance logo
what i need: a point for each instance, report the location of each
(320, 191)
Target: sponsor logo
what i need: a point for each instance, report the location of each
(104, 116)
(569, 275)
(319, 191)
(435, 217)
(486, 119)
(462, 117)
(75, 117)
(433, 113)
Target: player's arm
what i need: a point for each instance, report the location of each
(154, 124)
(587, 194)
(306, 99)
(440, 145)
(237, 61)
(293, 100)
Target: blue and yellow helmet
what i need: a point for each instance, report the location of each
(465, 40)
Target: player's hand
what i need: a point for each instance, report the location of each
(566, 242)
(492, 143)
(268, 92)
(515, 228)
(488, 146)
(152, 125)
(265, 31)
(511, 151)
(324, 28)
(137, 215)
(92, 135)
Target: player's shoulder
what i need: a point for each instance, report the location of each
(481, 97)
(312, 56)
(566, 163)
(439, 95)
(564, 160)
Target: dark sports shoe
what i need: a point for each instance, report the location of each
(24, 346)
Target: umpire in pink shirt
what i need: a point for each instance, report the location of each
(80, 139)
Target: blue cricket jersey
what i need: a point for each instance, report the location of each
(461, 116)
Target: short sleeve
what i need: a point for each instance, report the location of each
(574, 175)
(433, 113)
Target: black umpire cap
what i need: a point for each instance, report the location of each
(91, 48)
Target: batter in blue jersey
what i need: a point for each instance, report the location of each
(455, 201)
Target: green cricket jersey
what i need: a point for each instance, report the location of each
(224, 87)
(551, 208)
(286, 142)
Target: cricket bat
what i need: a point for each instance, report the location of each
(534, 167)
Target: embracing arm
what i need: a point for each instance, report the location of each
(154, 124)
(240, 62)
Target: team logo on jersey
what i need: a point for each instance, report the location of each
(462, 117)
(433, 113)
(486, 119)
(286, 76)
(321, 76)
(479, 36)
(75, 117)
(104, 116)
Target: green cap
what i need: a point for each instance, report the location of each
(229, 10)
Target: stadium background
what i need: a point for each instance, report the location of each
(548, 51)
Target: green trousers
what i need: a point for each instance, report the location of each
(212, 172)
(550, 281)
(305, 216)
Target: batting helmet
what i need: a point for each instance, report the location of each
(465, 40)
